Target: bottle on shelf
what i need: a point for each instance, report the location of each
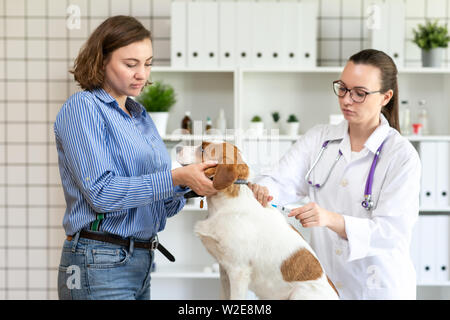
(186, 123)
(423, 117)
(405, 118)
(221, 122)
(208, 125)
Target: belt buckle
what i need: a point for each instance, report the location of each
(154, 244)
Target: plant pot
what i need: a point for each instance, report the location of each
(433, 57)
(160, 120)
(291, 128)
(257, 128)
(276, 126)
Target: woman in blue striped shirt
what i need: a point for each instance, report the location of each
(115, 169)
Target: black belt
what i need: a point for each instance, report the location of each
(151, 244)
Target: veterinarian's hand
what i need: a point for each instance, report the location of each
(194, 177)
(261, 193)
(312, 215)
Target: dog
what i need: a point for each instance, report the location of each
(255, 246)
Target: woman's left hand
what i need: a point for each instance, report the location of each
(311, 215)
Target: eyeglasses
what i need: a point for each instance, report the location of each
(357, 94)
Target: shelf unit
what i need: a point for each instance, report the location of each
(183, 272)
(244, 92)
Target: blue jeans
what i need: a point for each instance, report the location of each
(97, 270)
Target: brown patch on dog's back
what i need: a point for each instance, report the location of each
(332, 285)
(301, 266)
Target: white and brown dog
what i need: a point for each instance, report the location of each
(256, 247)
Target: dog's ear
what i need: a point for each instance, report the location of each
(242, 171)
(226, 174)
(210, 172)
(205, 144)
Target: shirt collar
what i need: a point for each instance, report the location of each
(379, 135)
(340, 132)
(103, 95)
(135, 108)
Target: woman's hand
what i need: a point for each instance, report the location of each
(261, 193)
(312, 215)
(194, 177)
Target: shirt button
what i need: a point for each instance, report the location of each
(338, 252)
(344, 182)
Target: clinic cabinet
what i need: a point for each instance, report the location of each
(244, 93)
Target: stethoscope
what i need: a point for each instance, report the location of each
(368, 202)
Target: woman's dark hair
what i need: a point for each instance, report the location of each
(114, 33)
(388, 72)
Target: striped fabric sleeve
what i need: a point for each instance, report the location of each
(174, 206)
(176, 203)
(80, 130)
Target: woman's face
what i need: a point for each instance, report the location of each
(128, 68)
(368, 78)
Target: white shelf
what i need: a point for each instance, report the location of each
(434, 284)
(191, 207)
(174, 70)
(185, 137)
(183, 272)
(447, 209)
(424, 70)
(428, 138)
(190, 137)
(294, 70)
(207, 137)
(409, 70)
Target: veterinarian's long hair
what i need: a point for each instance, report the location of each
(389, 72)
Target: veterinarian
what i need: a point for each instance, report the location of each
(363, 179)
(115, 170)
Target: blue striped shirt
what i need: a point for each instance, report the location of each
(114, 164)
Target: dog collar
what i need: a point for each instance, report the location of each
(191, 194)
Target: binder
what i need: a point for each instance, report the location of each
(442, 248)
(389, 32)
(428, 154)
(415, 249)
(178, 34)
(289, 29)
(195, 44)
(273, 19)
(307, 33)
(227, 34)
(427, 251)
(209, 56)
(244, 25)
(396, 31)
(442, 174)
(260, 31)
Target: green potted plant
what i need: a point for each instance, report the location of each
(158, 99)
(257, 125)
(276, 119)
(292, 125)
(432, 39)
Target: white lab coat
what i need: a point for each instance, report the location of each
(374, 262)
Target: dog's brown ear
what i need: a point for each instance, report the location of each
(205, 144)
(226, 174)
(210, 172)
(242, 171)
